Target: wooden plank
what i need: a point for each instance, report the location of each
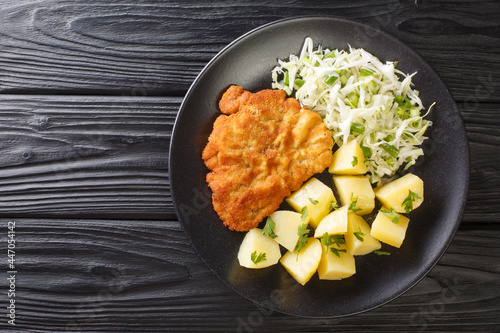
(85, 156)
(482, 123)
(103, 156)
(153, 48)
(143, 275)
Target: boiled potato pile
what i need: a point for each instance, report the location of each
(324, 236)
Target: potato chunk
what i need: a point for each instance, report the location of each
(314, 195)
(333, 267)
(303, 266)
(333, 223)
(393, 194)
(386, 231)
(286, 226)
(256, 242)
(348, 160)
(358, 238)
(357, 188)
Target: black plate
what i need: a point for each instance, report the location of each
(445, 170)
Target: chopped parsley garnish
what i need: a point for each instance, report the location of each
(354, 161)
(304, 212)
(354, 202)
(329, 240)
(337, 252)
(390, 149)
(269, 228)
(408, 201)
(367, 152)
(326, 240)
(403, 101)
(382, 253)
(257, 258)
(334, 206)
(357, 128)
(359, 235)
(338, 239)
(314, 202)
(302, 231)
(391, 214)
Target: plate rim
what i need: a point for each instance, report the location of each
(445, 244)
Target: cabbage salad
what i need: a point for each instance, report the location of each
(359, 98)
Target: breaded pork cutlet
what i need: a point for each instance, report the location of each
(261, 149)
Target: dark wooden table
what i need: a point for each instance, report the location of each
(89, 92)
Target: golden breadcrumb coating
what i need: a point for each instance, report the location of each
(263, 149)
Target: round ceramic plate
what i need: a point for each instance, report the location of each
(248, 62)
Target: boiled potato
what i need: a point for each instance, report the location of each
(386, 231)
(394, 193)
(303, 265)
(333, 223)
(254, 244)
(333, 267)
(286, 226)
(348, 160)
(314, 195)
(358, 238)
(351, 187)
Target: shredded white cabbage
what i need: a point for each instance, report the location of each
(359, 98)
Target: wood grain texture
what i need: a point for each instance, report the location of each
(482, 123)
(104, 156)
(158, 47)
(89, 91)
(85, 156)
(163, 286)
